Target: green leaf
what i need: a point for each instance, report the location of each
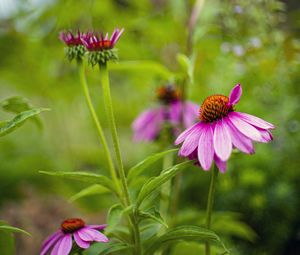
(85, 177)
(114, 216)
(7, 241)
(115, 247)
(94, 189)
(141, 166)
(7, 127)
(155, 182)
(184, 233)
(152, 214)
(148, 66)
(19, 104)
(13, 229)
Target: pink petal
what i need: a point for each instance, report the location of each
(191, 142)
(56, 247)
(245, 128)
(235, 94)
(239, 141)
(266, 135)
(222, 141)
(253, 120)
(84, 236)
(49, 242)
(185, 133)
(99, 227)
(190, 114)
(81, 243)
(222, 165)
(206, 148)
(65, 245)
(96, 235)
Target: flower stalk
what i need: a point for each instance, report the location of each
(83, 82)
(210, 202)
(104, 76)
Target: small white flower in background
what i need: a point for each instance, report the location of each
(255, 42)
(238, 50)
(225, 47)
(238, 9)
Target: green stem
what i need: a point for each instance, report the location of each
(104, 76)
(98, 125)
(166, 188)
(210, 202)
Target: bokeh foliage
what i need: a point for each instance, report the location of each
(251, 42)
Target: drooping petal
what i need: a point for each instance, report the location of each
(56, 247)
(81, 243)
(222, 141)
(190, 114)
(266, 135)
(206, 148)
(185, 133)
(239, 141)
(65, 245)
(191, 141)
(49, 242)
(235, 94)
(96, 235)
(84, 235)
(253, 120)
(222, 165)
(245, 128)
(143, 119)
(99, 227)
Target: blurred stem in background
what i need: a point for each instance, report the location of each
(81, 69)
(104, 76)
(195, 14)
(210, 202)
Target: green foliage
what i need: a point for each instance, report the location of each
(155, 182)
(85, 177)
(7, 240)
(183, 233)
(8, 126)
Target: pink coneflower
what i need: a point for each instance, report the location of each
(149, 124)
(75, 48)
(61, 242)
(220, 129)
(100, 47)
(99, 42)
(71, 39)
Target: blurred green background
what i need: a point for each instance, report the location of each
(253, 42)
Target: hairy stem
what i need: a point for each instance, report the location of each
(97, 124)
(113, 129)
(210, 202)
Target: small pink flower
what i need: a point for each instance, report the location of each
(71, 39)
(149, 124)
(220, 130)
(61, 242)
(99, 42)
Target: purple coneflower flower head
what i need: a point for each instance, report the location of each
(149, 125)
(221, 129)
(101, 46)
(75, 49)
(61, 242)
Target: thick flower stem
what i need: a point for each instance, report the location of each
(97, 124)
(210, 202)
(104, 76)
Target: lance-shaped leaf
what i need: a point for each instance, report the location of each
(85, 177)
(115, 248)
(8, 126)
(184, 233)
(94, 189)
(155, 182)
(13, 229)
(152, 214)
(19, 104)
(141, 166)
